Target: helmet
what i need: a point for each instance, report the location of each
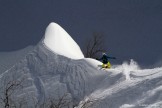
(103, 53)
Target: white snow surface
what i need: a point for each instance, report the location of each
(60, 42)
(48, 74)
(8, 59)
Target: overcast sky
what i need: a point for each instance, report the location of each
(132, 28)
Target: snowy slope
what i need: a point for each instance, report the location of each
(53, 69)
(49, 75)
(8, 59)
(128, 87)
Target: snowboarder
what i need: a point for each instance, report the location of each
(105, 60)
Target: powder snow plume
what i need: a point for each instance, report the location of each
(128, 67)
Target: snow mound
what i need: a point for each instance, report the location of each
(47, 75)
(60, 42)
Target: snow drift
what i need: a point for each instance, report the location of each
(60, 42)
(57, 66)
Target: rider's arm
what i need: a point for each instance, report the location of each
(111, 57)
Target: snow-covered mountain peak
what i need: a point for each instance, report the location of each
(60, 42)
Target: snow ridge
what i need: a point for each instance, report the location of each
(60, 42)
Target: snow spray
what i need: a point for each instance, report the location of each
(128, 67)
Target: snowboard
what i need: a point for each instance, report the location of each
(106, 66)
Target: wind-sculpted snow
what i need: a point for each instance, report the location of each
(60, 42)
(52, 70)
(47, 75)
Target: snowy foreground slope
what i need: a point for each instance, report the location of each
(52, 70)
